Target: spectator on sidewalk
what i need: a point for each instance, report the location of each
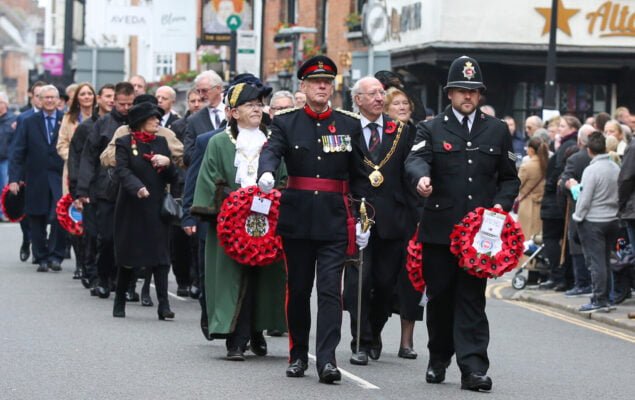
(626, 191)
(596, 214)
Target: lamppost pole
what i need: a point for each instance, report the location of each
(68, 42)
(550, 79)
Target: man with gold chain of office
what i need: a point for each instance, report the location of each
(462, 159)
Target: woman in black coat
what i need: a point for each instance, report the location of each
(141, 240)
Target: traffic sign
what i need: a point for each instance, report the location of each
(234, 22)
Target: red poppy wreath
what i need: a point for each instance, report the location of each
(249, 237)
(485, 265)
(68, 216)
(414, 263)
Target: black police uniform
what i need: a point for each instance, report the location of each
(467, 170)
(393, 205)
(313, 223)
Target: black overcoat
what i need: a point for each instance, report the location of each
(141, 236)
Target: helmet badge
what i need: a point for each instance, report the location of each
(468, 70)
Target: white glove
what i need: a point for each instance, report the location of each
(361, 238)
(266, 181)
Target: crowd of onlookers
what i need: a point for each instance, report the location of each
(577, 197)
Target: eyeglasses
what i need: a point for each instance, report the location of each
(375, 93)
(279, 108)
(206, 90)
(252, 106)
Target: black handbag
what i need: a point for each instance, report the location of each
(171, 209)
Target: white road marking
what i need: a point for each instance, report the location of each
(364, 384)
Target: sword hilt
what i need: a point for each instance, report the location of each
(363, 216)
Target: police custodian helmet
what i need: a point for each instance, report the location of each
(465, 73)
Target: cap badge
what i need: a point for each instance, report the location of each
(320, 65)
(468, 70)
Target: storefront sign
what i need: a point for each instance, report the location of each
(612, 19)
(53, 63)
(215, 14)
(129, 20)
(174, 26)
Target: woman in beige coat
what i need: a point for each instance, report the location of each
(532, 186)
(81, 108)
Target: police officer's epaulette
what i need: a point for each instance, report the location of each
(286, 111)
(349, 113)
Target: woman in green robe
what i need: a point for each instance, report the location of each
(242, 301)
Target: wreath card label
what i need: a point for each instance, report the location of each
(488, 238)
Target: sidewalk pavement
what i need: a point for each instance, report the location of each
(618, 318)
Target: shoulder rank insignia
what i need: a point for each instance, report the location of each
(286, 111)
(512, 156)
(349, 113)
(418, 145)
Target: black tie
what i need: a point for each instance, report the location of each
(374, 142)
(466, 126)
(216, 119)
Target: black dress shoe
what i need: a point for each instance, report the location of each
(330, 374)
(359, 358)
(119, 308)
(146, 300)
(167, 313)
(407, 352)
(78, 273)
(475, 381)
(296, 369)
(55, 266)
(258, 344)
(435, 375)
(183, 291)
(235, 354)
(102, 291)
(375, 349)
(195, 292)
(547, 285)
(25, 251)
(43, 267)
(274, 332)
(132, 296)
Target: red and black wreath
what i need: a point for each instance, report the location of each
(68, 216)
(249, 237)
(12, 205)
(484, 265)
(414, 263)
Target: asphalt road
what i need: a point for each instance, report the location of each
(57, 342)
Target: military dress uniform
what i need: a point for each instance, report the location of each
(393, 206)
(469, 168)
(315, 220)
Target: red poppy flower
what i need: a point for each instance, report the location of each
(62, 209)
(414, 263)
(447, 146)
(390, 127)
(331, 127)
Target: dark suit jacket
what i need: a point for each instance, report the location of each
(393, 201)
(467, 171)
(36, 162)
(197, 124)
(172, 119)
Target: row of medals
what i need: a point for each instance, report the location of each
(336, 143)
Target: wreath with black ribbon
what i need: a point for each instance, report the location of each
(246, 236)
(68, 216)
(486, 265)
(414, 262)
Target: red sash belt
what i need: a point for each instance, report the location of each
(329, 185)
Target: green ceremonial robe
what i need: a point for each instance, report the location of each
(225, 278)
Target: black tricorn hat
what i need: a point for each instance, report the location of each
(465, 73)
(317, 67)
(12, 204)
(139, 113)
(253, 80)
(243, 92)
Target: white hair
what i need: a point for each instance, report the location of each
(584, 132)
(49, 88)
(357, 90)
(534, 120)
(211, 76)
(282, 94)
(170, 90)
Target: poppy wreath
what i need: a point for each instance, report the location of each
(3, 199)
(484, 265)
(414, 263)
(66, 222)
(245, 235)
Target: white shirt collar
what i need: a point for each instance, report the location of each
(470, 117)
(365, 121)
(164, 119)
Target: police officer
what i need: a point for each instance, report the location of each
(318, 145)
(461, 159)
(382, 182)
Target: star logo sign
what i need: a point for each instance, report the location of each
(468, 70)
(564, 14)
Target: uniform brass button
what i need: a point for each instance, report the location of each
(469, 179)
(316, 192)
(469, 143)
(469, 161)
(317, 176)
(436, 205)
(319, 158)
(319, 140)
(469, 196)
(297, 147)
(318, 124)
(490, 149)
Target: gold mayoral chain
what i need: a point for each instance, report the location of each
(375, 177)
(251, 169)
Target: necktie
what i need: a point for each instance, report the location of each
(373, 143)
(49, 128)
(216, 119)
(466, 126)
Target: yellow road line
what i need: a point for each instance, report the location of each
(572, 320)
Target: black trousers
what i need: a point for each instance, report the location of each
(125, 275)
(25, 226)
(180, 255)
(303, 259)
(552, 232)
(243, 328)
(383, 260)
(106, 268)
(456, 319)
(47, 249)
